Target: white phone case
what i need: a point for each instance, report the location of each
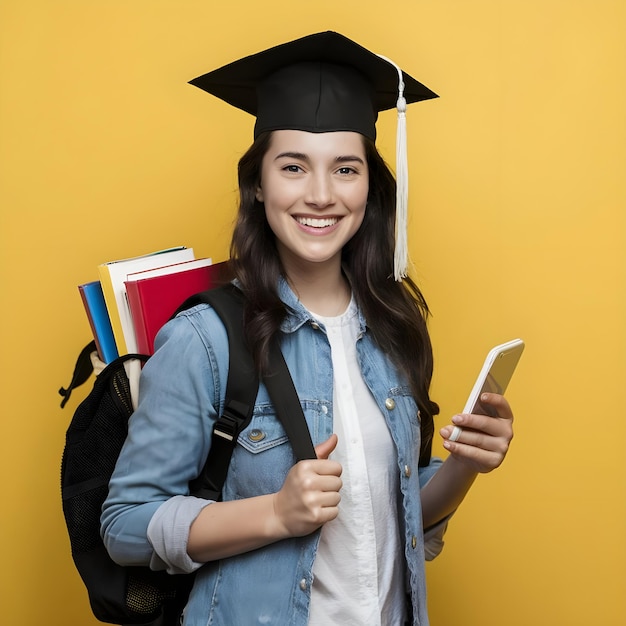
(494, 376)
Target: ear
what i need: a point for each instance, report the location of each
(259, 194)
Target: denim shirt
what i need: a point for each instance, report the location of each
(148, 512)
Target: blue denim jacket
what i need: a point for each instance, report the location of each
(147, 515)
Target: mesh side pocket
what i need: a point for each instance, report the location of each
(143, 597)
(82, 515)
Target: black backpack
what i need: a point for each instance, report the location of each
(138, 595)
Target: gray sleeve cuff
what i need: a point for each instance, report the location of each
(168, 533)
(433, 538)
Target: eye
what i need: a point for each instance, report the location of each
(346, 171)
(292, 169)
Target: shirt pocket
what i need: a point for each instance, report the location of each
(262, 458)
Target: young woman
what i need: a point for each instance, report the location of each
(340, 539)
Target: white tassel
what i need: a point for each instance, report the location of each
(401, 255)
(401, 252)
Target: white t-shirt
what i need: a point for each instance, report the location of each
(359, 566)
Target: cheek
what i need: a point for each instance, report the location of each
(269, 216)
(362, 202)
(364, 191)
(274, 215)
(275, 193)
(359, 208)
(360, 219)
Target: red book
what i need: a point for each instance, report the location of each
(153, 299)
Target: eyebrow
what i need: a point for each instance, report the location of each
(349, 158)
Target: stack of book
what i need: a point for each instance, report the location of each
(135, 297)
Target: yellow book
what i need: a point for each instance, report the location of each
(112, 277)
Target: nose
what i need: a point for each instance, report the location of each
(319, 191)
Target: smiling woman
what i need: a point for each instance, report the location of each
(338, 539)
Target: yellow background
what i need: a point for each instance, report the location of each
(517, 229)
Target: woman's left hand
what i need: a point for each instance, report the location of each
(483, 441)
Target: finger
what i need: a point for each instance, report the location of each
(327, 507)
(455, 434)
(322, 475)
(483, 460)
(308, 470)
(329, 498)
(494, 426)
(325, 514)
(330, 483)
(499, 403)
(325, 449)
(482, 441)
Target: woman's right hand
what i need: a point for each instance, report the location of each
(310, 496)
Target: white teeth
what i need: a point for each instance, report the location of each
(317, 222)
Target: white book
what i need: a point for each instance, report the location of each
(169, 269)
(113, 276)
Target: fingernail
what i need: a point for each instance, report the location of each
(457, 419)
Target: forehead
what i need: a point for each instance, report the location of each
(330, 144)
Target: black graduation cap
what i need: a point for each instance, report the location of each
(319, 83)
(322, 83)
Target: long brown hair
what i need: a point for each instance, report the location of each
(396, 312)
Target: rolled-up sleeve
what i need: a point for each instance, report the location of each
(168, 533)
(433, 536)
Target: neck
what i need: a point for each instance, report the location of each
(322, 289)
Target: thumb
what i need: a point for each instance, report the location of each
(324, 449)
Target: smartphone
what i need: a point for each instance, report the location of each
(495, 375)
(494, 378)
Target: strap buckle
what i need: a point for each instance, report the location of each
(232, 420)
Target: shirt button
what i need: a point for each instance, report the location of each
(303, 584)
(324, 409)
(407, 471)
(390, 403)
(256, 435)
(413, 542)
(315, 326)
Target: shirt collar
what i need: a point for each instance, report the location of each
(297, 314)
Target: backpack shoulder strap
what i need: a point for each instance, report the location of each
(287, 404)
(241, 391)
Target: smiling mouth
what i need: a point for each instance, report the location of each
(315, 222)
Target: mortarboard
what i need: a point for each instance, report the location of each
(323, 82)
